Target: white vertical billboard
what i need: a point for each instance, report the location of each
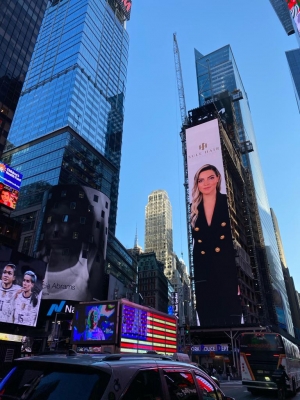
(215, 272)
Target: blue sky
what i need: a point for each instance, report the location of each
(152, 157)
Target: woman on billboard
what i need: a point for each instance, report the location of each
(26, 304)
(213, 252)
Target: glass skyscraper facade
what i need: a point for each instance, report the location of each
(283, 13)
(293, 58)
(216, 73)
(75, 83)
(20, 22)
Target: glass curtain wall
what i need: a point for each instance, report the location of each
(217, 72)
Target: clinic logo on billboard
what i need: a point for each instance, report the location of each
(204, 149)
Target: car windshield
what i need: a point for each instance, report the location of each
(51, 382)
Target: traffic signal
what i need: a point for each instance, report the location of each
(186, 329)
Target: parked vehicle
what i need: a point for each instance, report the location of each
(107, 377)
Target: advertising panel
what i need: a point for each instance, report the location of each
(143, 330)
(215, 273)
(10, 182)
(21, 286)
(126, 7)
(294, 7)
(73, 242)
(95, 323)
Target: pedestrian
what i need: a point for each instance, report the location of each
(220, 372)
(233, 369)
(228, 373)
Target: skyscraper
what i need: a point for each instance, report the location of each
(72, 101)
(289, 16)
(20, 23)
(216, 73)
(283, 13)
(158, 227)
(293, 58)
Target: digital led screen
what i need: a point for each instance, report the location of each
(10, 182)
(143, 330)
(94, 323)
(21, 284)
(126, 7)
(294, 7)
(215, 273)
(73, 240)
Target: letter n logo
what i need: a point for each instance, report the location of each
(56, 308)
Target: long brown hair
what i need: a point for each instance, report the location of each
(197, 195)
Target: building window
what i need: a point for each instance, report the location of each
(55, 234)
(91, 239)
(102, 214)
(75, 235)
(73, 205)
(26, 245)
(50, 196)
(65, 218)
(81, 195)
(97, 224)
(90, 208)
(49, 220)
(63, 193)
(82, 220)
(106, 204)
(96, 198)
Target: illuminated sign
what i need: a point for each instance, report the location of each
(58, 308)
(143, 330)
(207, 348)
(294, 7)
(126, 7)
(175, 303)
(95, 322)
(10, 182)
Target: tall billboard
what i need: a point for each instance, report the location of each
(21, 286)
(215, 272)
(73, 241)
(10, 182)
(294, 7)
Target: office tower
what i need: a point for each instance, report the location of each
(158, 227)
(289, 282)
(283, 13)
(72, 101)
(20, 23)
(289, 16)
(293, 58)
(216, 73)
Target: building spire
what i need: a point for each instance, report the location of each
(135, 239)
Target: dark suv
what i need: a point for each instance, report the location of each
(107, 377)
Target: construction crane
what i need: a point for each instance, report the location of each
(179, 81)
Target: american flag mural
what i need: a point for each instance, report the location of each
(143, 331)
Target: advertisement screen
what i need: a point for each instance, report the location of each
(21, 286)
(294, 7)
(10, 182)
(73, 242)
(142, 331)
(215, 273)
(94, 323)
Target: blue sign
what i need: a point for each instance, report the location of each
(10, 176)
